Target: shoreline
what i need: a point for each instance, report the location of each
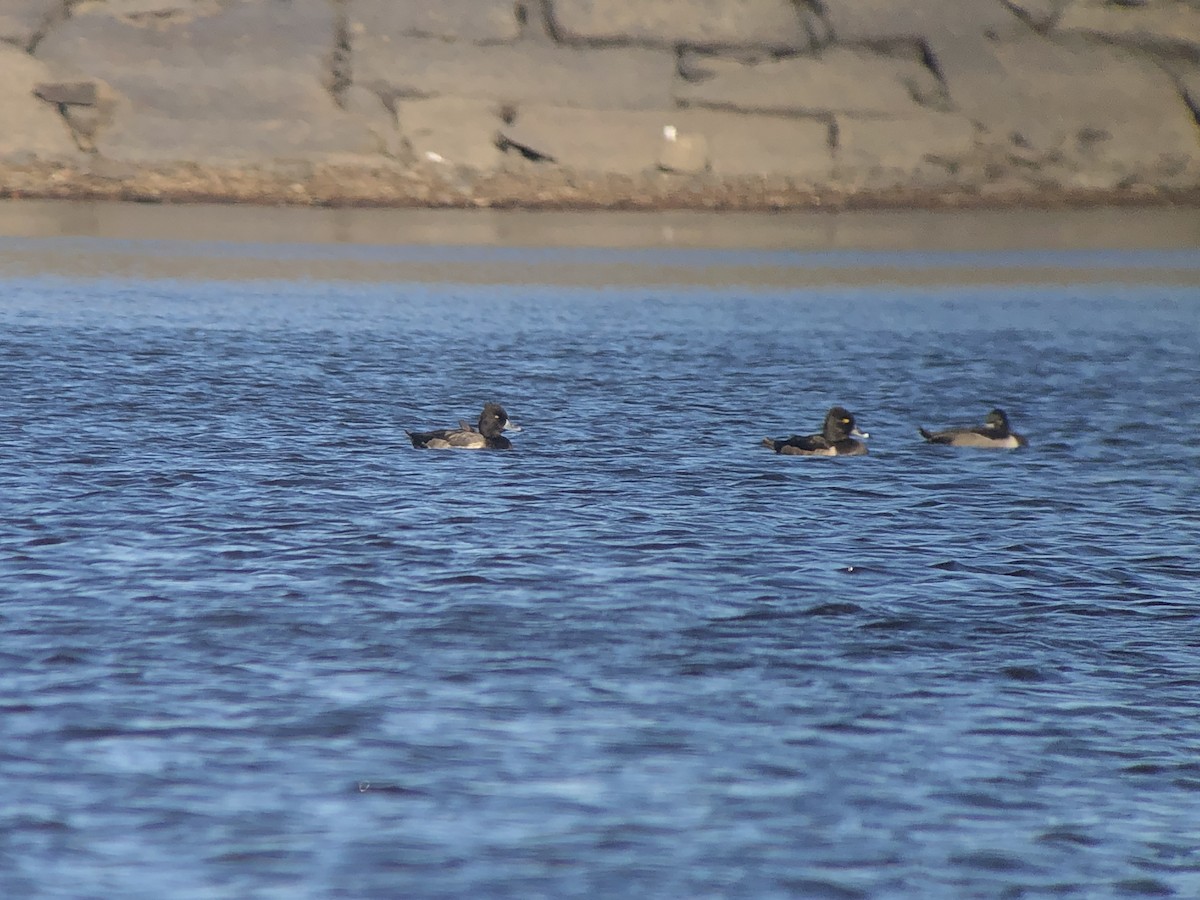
(359, 187)
(772, 250)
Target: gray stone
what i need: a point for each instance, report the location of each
(33, 129)
(480, 21)
(631, 142)
(683, 152)
(772, 24)
(452, 131)
(245, 84)
(22, 20)
(232, 41)
(894, 150)
(148, 10)
(76, 93)
(950, 33)
(740, 145)
(1158, 22)
(88, 120)
(602, 78)
(846, 81)
(590, 140)
(940, 22)
(1080, 107)
(157, 135)
(938, 93)
(379, 120)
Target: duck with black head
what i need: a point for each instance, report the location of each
(487, 436)
(837, 438)
(993, 434)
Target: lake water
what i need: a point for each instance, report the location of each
(254, 645)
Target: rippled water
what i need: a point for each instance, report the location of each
(255, 645)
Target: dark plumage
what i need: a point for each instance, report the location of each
(993, 434)
(836, 438)
(492, 421)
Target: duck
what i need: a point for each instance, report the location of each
(837, 438)
(487, 436)
(993, 434)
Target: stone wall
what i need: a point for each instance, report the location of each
(732, 103)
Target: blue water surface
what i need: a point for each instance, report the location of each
(254, 645)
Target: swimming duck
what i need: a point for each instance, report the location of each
(993, 434)
(487, 436)
(836, 438)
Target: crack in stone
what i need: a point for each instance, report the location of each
(535, 21)
(341, 57)
(83, 110)
(814, 19)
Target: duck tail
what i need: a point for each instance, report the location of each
(925, 434)
(771, 443)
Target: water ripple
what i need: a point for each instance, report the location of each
(253, 640)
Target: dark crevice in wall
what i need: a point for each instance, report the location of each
(1191, 99)
(341, 72)
(1038, 24)
(545, 21)
(1192, 103)
(533, 20)
(83, 110)
(505, 144)
(814, 19)
(943, 100)
(930, 61)
(689, 66)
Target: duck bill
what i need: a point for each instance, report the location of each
(510, 425)
(860, 434)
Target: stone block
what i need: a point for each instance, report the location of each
(855, 82)
(309, 131)
(950, 33)
(88, 119)
(33, 129)
(590, 140)
(595, 78)
(231, 45)
(631, 142)
(73, 93)
(1156, 22)
(1080, 106)
(151, 11)
(740, 145)
(683, 152)
(477, 21)
(894, 150)
(768, 24)
(452, 131)
(243, 84)
(938, 22)
(379, 120)
(22, 20)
